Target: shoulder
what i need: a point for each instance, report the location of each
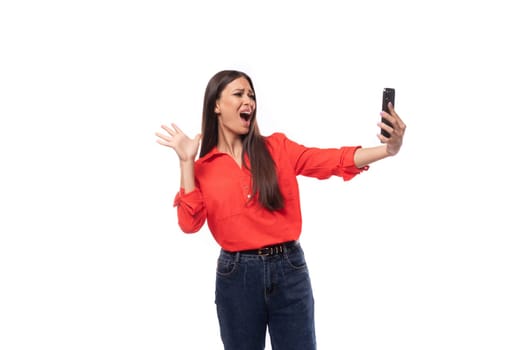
(281, 142)
(276, 138)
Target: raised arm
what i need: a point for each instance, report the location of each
(391, 145)
(186, 148)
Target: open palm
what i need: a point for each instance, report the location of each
(185, 147)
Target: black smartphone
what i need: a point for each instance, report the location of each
(389, 95)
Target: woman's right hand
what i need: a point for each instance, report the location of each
(185, 147)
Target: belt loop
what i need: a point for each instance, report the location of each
(237, 257)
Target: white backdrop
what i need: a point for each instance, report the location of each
(423, 251)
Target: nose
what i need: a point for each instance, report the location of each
(248, 101)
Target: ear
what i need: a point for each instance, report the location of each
(217, 109)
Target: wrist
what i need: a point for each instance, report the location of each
(187, 163)
(391, 150)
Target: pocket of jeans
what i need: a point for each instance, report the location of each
(296, 260)
(225, 267)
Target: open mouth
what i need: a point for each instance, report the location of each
(246, 116)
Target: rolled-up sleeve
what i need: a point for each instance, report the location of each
(346, 167)
(191, 210)
(322, 163)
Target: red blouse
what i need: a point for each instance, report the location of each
(222, 194)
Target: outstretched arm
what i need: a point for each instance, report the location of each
(391, 145)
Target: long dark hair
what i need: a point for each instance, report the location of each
(262, 166)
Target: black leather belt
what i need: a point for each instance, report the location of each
(269, 250)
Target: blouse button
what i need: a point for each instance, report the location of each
(249, 196)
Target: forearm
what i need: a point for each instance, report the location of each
(187, 175)
(366, 156)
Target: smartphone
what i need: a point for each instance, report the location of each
(389, 95)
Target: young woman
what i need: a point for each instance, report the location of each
(244, 186)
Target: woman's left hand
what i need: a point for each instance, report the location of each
(396, 131)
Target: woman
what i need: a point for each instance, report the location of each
(244, 186)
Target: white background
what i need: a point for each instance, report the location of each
(423, 251)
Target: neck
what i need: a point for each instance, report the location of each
(231, 145)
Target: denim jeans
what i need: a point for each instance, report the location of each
(255, 292)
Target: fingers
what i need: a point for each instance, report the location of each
(168, 130)
(163, 138)
(163, 143)
(173, 130)
(382, 138)
(396, 130)
(176, 128)
(395, 120)
(174, 133)
(166, 140)
(383, 125)
(391, 108)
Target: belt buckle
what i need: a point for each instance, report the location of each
(265, 251)
(269, 251)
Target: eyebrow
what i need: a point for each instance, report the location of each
(242, 90)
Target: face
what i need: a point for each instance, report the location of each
(235, 107)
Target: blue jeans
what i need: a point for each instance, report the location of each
(254, 292)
